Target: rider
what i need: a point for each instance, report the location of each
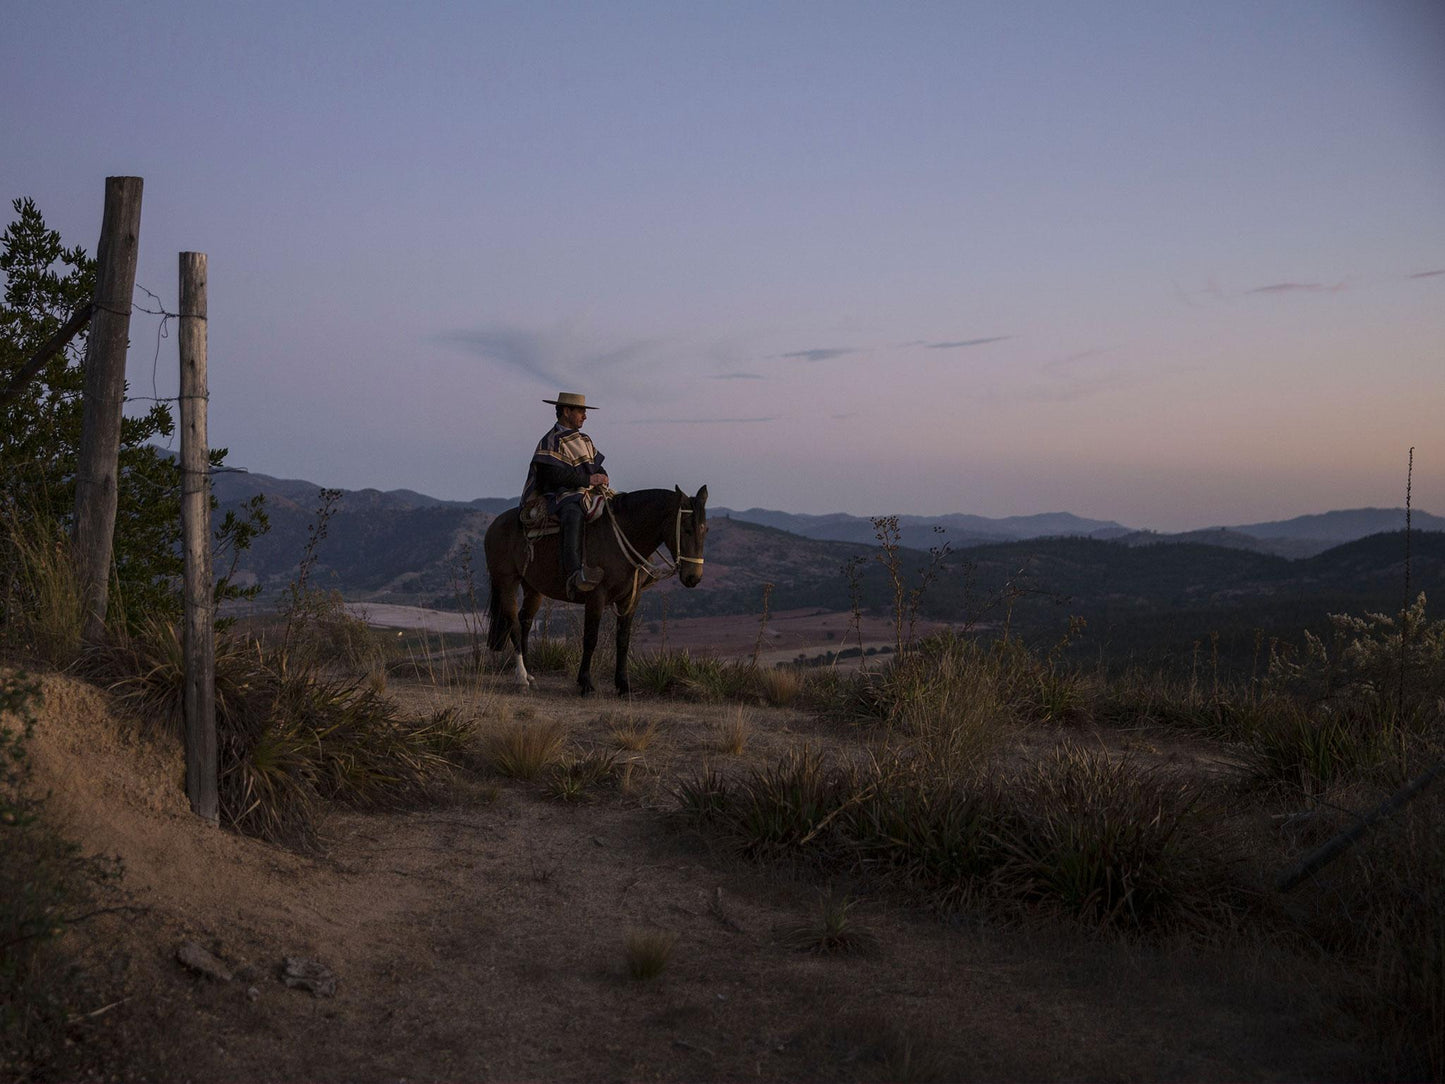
(560, 480)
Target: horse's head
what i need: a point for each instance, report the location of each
(688, 539)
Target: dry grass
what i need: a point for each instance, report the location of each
(646, 953)
(780, 686)
(43, 606)
(630, 732)
(523, 748)
(731, 733)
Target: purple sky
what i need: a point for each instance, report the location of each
(1171, 264)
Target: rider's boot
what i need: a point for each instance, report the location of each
(578, 577)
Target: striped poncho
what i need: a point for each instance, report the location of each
(565, 459)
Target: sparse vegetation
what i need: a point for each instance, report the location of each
(646, 953)
(732, 731)
(630, 732)
(523, 749)
(572, 778)
(50, 886)
(832, 929)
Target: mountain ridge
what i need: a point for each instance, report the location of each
(1299, 536)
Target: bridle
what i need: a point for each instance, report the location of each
(642, 563)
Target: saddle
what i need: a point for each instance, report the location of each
(538, 522)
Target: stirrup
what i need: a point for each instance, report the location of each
(583, 580)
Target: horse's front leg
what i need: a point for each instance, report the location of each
(592, 622)
(531, 603)
(624, 641)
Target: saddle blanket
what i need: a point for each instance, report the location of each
(537, 522)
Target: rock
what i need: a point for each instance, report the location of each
(297, 972)
(203, 961)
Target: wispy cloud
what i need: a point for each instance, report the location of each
(960, 343)
(559, 357)
(826, 353)
(699, 421)
(1427, 274)
(1297, 288)
(525, 351)
(737, 376)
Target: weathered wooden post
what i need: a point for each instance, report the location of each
(200, 640)
(95, 475)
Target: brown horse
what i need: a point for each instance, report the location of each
(620, 543)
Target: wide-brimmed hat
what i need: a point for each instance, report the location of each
(569, 398)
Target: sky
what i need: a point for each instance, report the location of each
(1171, 264)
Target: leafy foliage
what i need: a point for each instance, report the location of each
(40, 431)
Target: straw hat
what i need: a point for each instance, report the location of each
(569, 398)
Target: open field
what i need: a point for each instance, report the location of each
(786, 635)
(482, 934)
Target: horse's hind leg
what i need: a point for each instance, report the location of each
(531, 603)
(506, 613)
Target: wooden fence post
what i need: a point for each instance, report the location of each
(95, 475)
(200, 641)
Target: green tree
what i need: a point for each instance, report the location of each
(40, 434)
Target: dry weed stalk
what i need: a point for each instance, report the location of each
(731, 734)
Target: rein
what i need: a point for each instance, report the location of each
(642, 564)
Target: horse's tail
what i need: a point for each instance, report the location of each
(499, 627)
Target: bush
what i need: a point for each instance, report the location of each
(1110, 842)
(288, 737)
(1101, 840)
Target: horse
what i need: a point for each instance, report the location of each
(620, 542)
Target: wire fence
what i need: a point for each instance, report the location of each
(155, 308)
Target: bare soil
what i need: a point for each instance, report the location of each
(482, 938)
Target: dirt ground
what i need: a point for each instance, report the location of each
(482, 938)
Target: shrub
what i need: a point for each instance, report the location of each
(1110, 842)
(1289, 743)
(287, 736)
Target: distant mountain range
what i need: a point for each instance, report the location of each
(1302, 536)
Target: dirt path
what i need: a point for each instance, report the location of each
(483, 939)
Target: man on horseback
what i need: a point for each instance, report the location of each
(565, 479)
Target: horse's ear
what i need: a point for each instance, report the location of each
(700, 501)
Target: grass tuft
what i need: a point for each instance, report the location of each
(831, 929)
(646, 953)
(631, 732)
(523, 749)
(573, 778)
(731, 734)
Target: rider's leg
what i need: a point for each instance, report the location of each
(577, 577)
